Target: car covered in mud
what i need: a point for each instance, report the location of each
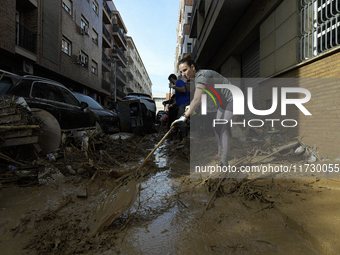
(148, 104)
(107, 119)
(56, 99)
(137, 113)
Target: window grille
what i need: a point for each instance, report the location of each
(319, 27)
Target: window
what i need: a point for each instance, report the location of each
(67, 97)
(95, 6)
(66, 46)
(189, 48)
(45, 91)
(319, 27)
(83, 59)
(94, 67)
(94, 36)
(23, 89)
(67, 5)
(189, 17)
(84, 25)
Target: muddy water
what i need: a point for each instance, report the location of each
(167, 218)
(171, 221)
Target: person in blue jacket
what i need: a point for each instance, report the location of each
(182, 100)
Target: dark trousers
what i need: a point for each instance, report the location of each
(183, 132)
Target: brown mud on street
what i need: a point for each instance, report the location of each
(163, 211)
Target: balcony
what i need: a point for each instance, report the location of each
(106, 38)
(119, 54)
(186, 29)
(131, 56)
(107, 15)
(120, 93)
(121, 76)
(106, 62)
(193, 21)
(27, 4)
(106, 85)
(129, 72)
(25, 38)
(119, 36)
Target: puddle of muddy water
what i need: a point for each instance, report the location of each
(168, 219)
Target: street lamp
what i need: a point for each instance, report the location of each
(115, 60)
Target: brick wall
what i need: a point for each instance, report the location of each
(323, 127)
(7, 25)
(70, 29)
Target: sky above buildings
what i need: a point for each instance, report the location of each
(152, 25)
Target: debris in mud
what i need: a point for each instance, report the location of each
(19, 129)
(109, 155)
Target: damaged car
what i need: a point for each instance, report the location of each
(56, 99)
(107, 119)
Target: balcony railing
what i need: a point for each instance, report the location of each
(129, 71)
(120, 93)
(131, 55)
(121, 75)
(116, 29)
(106, 85)
(25, 38)
(107, 8)
(107, 34)
(106, 59)
(120, 54)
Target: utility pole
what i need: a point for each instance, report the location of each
(115, 60)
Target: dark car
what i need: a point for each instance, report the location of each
(148, 104)
(56, 99)
(7, 81)
(108, 120)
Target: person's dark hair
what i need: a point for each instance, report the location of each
(188, 60)
(172, 76)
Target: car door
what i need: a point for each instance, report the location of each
(43, 96)
(72, 116)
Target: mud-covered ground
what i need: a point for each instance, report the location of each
(161, 209)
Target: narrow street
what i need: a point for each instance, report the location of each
(160, 209)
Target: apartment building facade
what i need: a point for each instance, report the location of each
(80, 43)
(281, 39)
(184, 42)
(138, 78)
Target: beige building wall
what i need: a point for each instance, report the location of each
(159, 99)
(138, 78)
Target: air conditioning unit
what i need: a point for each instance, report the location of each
(84, 30)
(27, 66)
(81, 59)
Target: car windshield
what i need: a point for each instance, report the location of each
(5, 85)
(91, 102)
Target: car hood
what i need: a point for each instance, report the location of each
(104, 112)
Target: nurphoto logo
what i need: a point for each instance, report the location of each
(238, 104)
